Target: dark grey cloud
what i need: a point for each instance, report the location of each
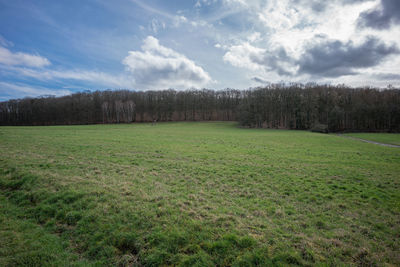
(318, 6)
(354, 1)
(272, 60)
(382, 16)
(388, 76)
(333, 58)
(321, 5)
(260, 80)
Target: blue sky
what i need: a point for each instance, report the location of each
(60, 47)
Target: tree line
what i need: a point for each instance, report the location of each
(296, 106)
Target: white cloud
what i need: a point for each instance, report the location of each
(292, 26)
(153, 10)
(155, 26)
(18, 90)
(158, 67)
(254, 37)
(235, 2)
(23, 65)
(4, 42)
(261, 60)
(22, 59)
(94, 77)
(178, 20)
(200, 3)
(241, 56)
(200, 23)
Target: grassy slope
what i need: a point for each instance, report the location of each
(386, 138)
(199, 193)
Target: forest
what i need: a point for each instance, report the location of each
(323, 108)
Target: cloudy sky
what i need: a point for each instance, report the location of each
(58, 47)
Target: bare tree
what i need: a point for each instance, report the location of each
(293, 106)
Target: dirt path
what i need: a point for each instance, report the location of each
(368, 141)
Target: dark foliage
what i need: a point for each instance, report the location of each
(316, 107)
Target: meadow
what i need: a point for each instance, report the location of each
(195, 194)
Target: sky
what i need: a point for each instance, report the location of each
(60, 47)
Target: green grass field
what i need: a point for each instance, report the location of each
(195, 194)
(386, 138)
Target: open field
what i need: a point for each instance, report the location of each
(386, 138)
(195, 194)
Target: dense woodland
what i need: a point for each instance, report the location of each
(321, 108)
